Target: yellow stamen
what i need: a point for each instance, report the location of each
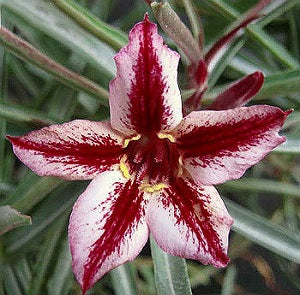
(180, 169)
(151, 188)
(127, 140)
(124, 168)
(166, 135)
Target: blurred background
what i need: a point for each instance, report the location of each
(34, 253)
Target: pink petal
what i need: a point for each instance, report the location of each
(216, 52)
(107, 227)
(239, 93)
(145, 96)
(220, 145)
(190, 221)
(79, 149)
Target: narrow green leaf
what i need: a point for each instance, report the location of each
(20, 114)
(23, 273)
(259, 230)
(30, 54)
(3, 90)
(194, 20)
(46, 254)
(291, 146)
(283, 83)
(48, 19)
(23, 76)
(60, 281)
(11, 218)
(258, 34)
(11, 284)
(263, 185)
(106, 33)
(58, 203)
(222, 63)
(273, 46)
(31, 190)
(124, 280)
(292, 120)
(5, 187)
(228, 283)
(170, 272)
(281, 8)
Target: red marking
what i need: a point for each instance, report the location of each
(223, 41)
(96, 156)
(209, 142)
(185, 198)
(121, 223)
(147, 109)
(200, 75)
(154, 158)
(198, 80)
(239, 93)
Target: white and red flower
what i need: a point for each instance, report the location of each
(152, 169)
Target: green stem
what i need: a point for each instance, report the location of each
(30, 54)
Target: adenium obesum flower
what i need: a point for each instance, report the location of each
(152, 170)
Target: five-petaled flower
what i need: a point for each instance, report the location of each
(152, 169)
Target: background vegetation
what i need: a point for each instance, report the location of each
(35, 259)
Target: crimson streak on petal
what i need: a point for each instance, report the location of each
(120, 224)
(221, 145)
(147, 110)
(79, 149)
(184, 223)
(144, 96)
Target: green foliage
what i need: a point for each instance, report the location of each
(82, 37)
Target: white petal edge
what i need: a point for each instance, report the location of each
(87, 220)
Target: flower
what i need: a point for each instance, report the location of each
(152, 169)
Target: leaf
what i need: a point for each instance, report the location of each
(170, 272)
(57, 204)
(291, 146)
(26, 51)
(229, 279)
(46, 254)
(263, 185)
(48, 19)
(22, 115)
(258, 34)
(223, 62)
(281, 7)
(11, 284)
(261, 231)
(106, 33)
(60, 281)
(31, 191)
(123, 280)
(23, 272)
(11, 218)
(283, 83)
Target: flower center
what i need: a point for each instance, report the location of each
(153, 159)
